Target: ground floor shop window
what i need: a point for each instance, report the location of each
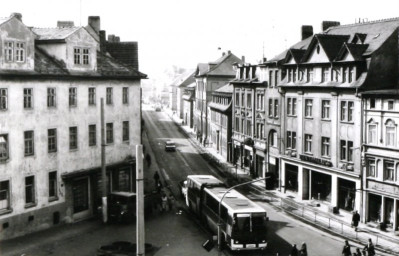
(291, 177)
(121, 180)
(321, 186)
(374, 208)
(259, 166)
(389, 212)
(346, 194)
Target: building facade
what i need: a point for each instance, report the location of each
(210, 77)
(381, 158)
(188, 105)
(52, 82)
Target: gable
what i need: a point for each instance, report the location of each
(317, 55)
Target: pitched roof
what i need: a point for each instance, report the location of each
(297, 54)
(221, 67)
(356, 50)
(330, 44)
(184, 79)
(126, 52)
(228, 88)
(59, 33)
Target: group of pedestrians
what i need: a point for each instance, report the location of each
(368, 250)
(165, 202)
(303, 251)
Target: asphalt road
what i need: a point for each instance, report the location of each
(283, 229)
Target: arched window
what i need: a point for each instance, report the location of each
(390, 133)
(372, 132)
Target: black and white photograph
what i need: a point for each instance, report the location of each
(194, 128)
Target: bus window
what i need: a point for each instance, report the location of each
(258, 221)
(242, 222)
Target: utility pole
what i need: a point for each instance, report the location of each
(103, 171)
(140, 235)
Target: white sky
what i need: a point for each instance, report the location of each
(186, 32)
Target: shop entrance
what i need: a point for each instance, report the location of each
(374, 208)
(291, 178)
(389, 212)
(80, 195)
(259, 166)
(346, 194)
(321, 186)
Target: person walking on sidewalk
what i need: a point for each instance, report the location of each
(346, 251)
(294, 250)
(164, 200)
(369, 248)
(355, 219)
(156, 178)
(303, 251)
(358, 252)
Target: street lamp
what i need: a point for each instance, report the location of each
(220, 207)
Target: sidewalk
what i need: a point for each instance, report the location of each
(315, 213)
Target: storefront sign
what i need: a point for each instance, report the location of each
(315, 160)
(272, 160)
(383, 187)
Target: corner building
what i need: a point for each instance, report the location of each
(52, 80)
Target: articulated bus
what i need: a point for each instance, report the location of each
(243, 223)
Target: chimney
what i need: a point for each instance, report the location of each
(111, 38)
(94, 22)
(16, 15)
(117, 39)
(264, 59)
(328, 24)
(228, 52)
(102, 41)
(243, 59)
(223, 53)
(306, 31)
(65, 24)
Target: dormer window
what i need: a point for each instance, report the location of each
(324, 75)
(81, 56)
(14, 51)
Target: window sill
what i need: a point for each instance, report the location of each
(52, 152)
(308, 153)
(30, 205)
(326, 120)
(5, 211)
(92, 105)
(53, 198)
(30, 155)
(73, 150)
(308, 117)
(346, 122)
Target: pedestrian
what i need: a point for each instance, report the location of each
(171, 200)
(346, 251)
(164, 200)
(369, 248)
(358, 252)
(303, 251)
(159, 186)
(294, 250)
(355, 219)
(156, 178)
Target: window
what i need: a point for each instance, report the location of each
(28, 98)
(259, 131)
(19, 52)
(237, 99)
(275, 78)
(289, 106)
(291, 140)
(308, 107)
(29, 143)
(92, 96)
(92, 135)
(308, 143)
(346, 150)
(52, 140)
(294, 106)
(260, 101)
(324, 75)
(389, 170)
(371, 167)
(372, 133)
(125, 95)
(336, 74)
(289, 74)
(309, 75)
(72, 97)
(372, 103)
(3, 99)
(270, 107)
(273, 139)
(110, 133)
(347, 111)
(249, 100)
(9, 51)
(237, 124)
(109, 96)
(73, 138)
(81, 56)
(4, 195)
(390, 104)
(271, 78)
(52, 184)
(30, 190)
(51, 97)
(85, 56)
(351, 74)
(390, 136)
(3, 147)
(275, 108)
(248, 128)
(243, 99)
(325, 147)
(125, 132)
(344, 75)
(325, 109)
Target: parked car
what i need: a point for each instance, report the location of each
(170, 146)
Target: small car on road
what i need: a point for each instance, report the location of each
(170, 145)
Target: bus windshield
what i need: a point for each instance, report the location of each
(250, 222)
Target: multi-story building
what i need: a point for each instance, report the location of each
(188, 105)
(181, 84)
(321, 77)
(210, 77)
(381, 157)
(52, 80)
(220, 121)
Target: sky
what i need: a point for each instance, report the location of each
(187, 32)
